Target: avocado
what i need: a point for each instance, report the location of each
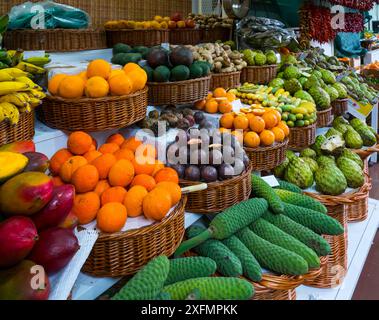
(144, 51)
(196, 71)
(121, 48)
(124, 58)
(150, 73)
(205, 66)
(181, 56)
(157, 57)
(161, 74)
(180, 73)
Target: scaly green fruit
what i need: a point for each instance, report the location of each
(299, 173)
(330, 180)
(352, 171)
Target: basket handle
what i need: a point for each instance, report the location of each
(194, 188)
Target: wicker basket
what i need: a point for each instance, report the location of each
(24, 130)
(274, 287)
(93, 114)
(358, 210)
(215, 34)
(259, 74)
(185, 36)
(55, 40)
(324, 118)
(339, 107)
(267, 158)
(147, 38)
(365, 153)
(225, 80)
(178, 93)
(302, 137)
(219, 195)
(124, 253)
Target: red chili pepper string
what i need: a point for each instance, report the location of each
(362, 5)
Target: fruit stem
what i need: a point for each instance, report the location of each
(193, 242)
(194, 188)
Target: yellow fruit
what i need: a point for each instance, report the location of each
(96, 87)
(120, 85)
(100, 68)
(55, 82)
(116, 72)
(71, 87)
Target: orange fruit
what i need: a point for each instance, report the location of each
(200, 105)
(166, 174)
(114, 194)
(211, 106)
(70, 166)
(131, 143)
(258, 111)
(282, 125)
(146, 150)
(241, 122)
(251, 140)
(121, 173)
(120, 85)
(103, 164)
(112, 217)
(116, 72)
(277, 114)
(239, 135)
(225, 106)
(227, 120)
(158, 166)
(174, 190)
(143, 165)
(92, 155)
(138, 78)
(279, 134)
(270, 120)
(157, 204)
(55, 82)
(85, 178)
(79, 142)
(131, 67)
(58, 159)
(71, 87)
(96, 87)
(224, 130)
(99, 68)
(101, 186)
(116, 138)
(145, 181)
(219, 93)
(267, 137)
(134, 199)
(109, 148)
(257, 124)
(231, 96)
(124, 154)
(86, 206)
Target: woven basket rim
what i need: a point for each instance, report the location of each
(132, 30)
(345, 198)
(269, 148)
(271, 281)
(267, 66)
(311, 126)
(341, 100)
(147, 229)
(97, 100)
(325, 111)
(58, 30)
(218, 184)
(178, 82)
(223, 74)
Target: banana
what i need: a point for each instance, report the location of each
(34, 102)
(11, 53)
(17, 99)
(11, 112)
(37, 94)
(2, 115)
(5, 76)
(28, 108)
(15, 72)
(38, 61)
(8, 87)
(17, 57)
(29, 82)
(31, 68)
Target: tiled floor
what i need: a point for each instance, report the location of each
(368, 284)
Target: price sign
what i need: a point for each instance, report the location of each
(360, 108)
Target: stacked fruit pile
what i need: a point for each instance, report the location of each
(217, 101)
(211, 21)
(18, 94)
(208, 155)
(258, 58)
(281, 233)
(38, 225)
(121, 179)
(123, 54)
(98, 81)
(255, 127)
(328, 163)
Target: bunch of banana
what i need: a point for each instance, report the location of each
(32, 65)
(9, 111)
(39, 61)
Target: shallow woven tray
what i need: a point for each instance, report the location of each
(219, 195)
(228, 80)
(124, 253)
(339, 107)
(324, 118)
(147, 38)
(185, 36)
(178, 93)
(267, 158)
(24, 130)
(302, 137)
(57, 40)
(259, 74)
(93, 114)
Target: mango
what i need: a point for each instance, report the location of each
(57, 209)
(17, 238)
(16, 283)
(71, 221)
(38, 162)
(19, 147)
(54, 249)
(26, 193)
(11, 164)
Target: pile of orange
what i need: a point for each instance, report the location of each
(254, 129)
(98, 81)
(217, 101)
(120, 179)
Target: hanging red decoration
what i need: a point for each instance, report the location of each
(362, 5)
